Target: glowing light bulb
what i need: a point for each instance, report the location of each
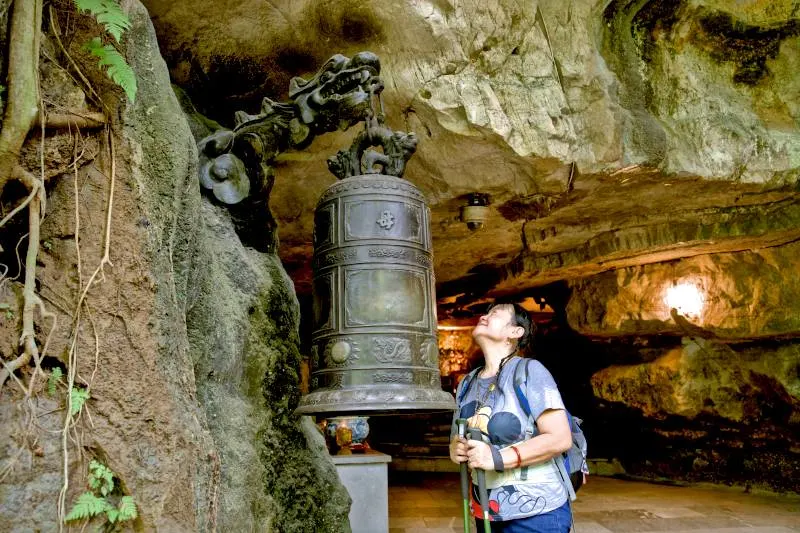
(686, 298)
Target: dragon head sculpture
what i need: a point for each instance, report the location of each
(234, 164)
(339, 95)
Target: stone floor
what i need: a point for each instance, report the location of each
(431, 503)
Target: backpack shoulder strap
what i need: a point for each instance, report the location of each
(520, 379)
(466, 383)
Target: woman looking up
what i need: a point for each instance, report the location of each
(526, 491)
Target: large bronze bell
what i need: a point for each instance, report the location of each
(374, 346)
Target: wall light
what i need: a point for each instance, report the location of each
(475, 213)
(686, 298)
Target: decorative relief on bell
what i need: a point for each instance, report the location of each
(373, 399)
(335, 381)
(340, 352)
(429, 353)
(404, 254)
(340, 188)
(335, 257)
(382, 219)
(392, 350)
(424, 260)
(386, 220)
(394, 376)
(395, 253)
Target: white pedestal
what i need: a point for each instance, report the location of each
(364, 475)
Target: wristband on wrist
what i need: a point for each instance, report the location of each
(497, 459)
(519, 457)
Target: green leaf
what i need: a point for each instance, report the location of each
(78, 397)
(127, 509)
(101, 478)
(112, 514)
(55, 377)
(87, 506)
(108, 13)
(118, 70)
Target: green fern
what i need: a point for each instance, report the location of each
(78, 397)
(52, 381)
(108, 13)
(112, 514)
(87, 506)
(101, 478)
(118, 70)
(125, 511)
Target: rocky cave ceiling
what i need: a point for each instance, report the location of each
(677, 122)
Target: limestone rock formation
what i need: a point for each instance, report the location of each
(706, 85)
(742, 295)
(242, 324)
(741, 384)
(188, 341)
(506, 96)
(708, 411)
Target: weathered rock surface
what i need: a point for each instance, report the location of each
(635, 218)
(132, 348)
(242, 320)
(706, 411)
(506, 96)
(743, 295)
(706, 87)
(741, 384)
(188, 340)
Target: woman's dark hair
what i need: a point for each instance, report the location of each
(521, 318)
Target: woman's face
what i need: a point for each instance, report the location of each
(496, 324)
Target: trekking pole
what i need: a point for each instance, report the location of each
(462, 432)
(483, 494)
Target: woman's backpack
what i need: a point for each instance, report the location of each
(572, 464)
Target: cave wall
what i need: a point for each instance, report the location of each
(710, 394)
(708, 86)
(189, 339)
(512, 99)
(745, 295)
(702, 411)
(700, 86)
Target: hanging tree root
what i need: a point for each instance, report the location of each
(72, 354)
(20, 114)
(28, 337)
(72, 119)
